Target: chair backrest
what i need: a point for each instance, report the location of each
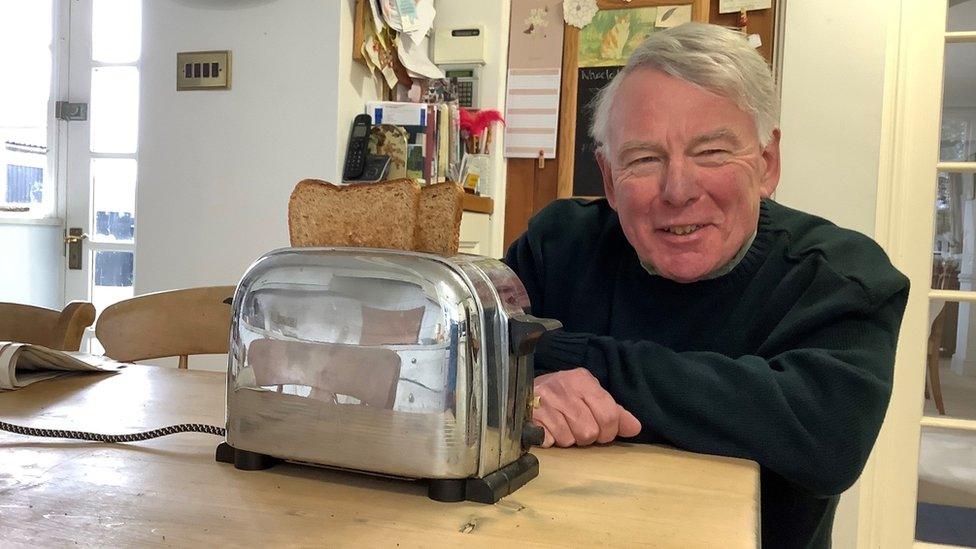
(193, 321)
(62, 330)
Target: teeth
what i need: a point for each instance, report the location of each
(683, 229)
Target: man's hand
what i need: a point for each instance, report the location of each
(574, 409)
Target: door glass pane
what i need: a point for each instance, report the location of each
(116, 30)
(112, 279)
(113, 199)
(114, 109)
(954, 247)
(25, 58)
(959, 103)
(950, 365)
(946, 511)
(961, 16)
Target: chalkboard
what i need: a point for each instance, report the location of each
(587, 180)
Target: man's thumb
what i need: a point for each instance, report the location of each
(627, 424)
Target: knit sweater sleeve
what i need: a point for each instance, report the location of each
(809, 408)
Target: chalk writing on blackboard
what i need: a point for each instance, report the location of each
(587, 180)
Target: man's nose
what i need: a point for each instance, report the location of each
(679, 187)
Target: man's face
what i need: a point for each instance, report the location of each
(685, 172)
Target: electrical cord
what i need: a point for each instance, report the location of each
(98, 437)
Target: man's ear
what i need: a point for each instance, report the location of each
(771, 166)
(607, 174)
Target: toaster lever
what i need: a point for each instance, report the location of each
(524, 331)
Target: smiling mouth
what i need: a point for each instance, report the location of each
(682, 230)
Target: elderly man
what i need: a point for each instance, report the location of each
(697, 312)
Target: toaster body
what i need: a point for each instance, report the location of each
(396, 363)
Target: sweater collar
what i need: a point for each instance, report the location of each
(748, 256)
(721, 271)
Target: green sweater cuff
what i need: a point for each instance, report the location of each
(559, 350)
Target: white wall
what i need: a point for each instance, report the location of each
(32, 264)
(216, 167)
(832, 80)
(832, 86)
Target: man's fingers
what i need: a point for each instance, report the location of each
(555, 424)
(629, 425)
(582, 423)
(577, 410)
(605, 411)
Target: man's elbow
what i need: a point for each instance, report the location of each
(833, 469)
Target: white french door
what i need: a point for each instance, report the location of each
(105, 47)
(921, 488)
(68, 173)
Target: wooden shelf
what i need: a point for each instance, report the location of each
(479, 204)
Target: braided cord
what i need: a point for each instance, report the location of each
(132, 437)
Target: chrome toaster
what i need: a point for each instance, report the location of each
(395, 363)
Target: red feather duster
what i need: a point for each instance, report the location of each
(478, 121)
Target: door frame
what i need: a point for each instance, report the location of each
(911, 118)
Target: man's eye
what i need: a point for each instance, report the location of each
(646, 159)
(712, 152)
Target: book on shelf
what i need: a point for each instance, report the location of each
(427, 159)
(24, 363)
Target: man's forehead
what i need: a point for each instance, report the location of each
(651, 105)
(704, 136)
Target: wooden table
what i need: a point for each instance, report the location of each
(170, 491)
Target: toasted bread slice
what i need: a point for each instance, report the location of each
(372, 215)
(439, 219)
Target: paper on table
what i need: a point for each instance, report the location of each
(730, 6)
(415, 60)
(22, 364)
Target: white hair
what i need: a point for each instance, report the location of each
(715, 58)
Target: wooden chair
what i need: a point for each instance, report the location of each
(61, 330)
(193, 321)
(937, 315)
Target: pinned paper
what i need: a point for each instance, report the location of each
(732, 6)
(415, 60)
(374, 9)
(425, 18)
(378, 57)
(408, 15)
(755, 40)
(411, 17)
(672, 16)
(535, 49)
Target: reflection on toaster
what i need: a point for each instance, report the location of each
(366, 341)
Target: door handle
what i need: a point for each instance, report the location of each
(73, 239)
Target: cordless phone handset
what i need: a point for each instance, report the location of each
(356, 152)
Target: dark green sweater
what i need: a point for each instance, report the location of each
(786, 360)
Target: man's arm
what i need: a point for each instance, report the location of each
(809, 408)
(810, 413)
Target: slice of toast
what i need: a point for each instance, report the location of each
(439, 219)
(372, 215)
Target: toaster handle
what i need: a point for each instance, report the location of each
(524, 331)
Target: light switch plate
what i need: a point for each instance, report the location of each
(203, 70)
